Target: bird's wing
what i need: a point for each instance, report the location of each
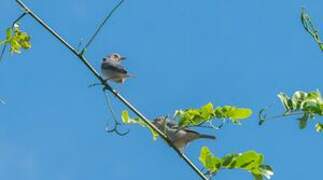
(113, 67)
(191, 131)
(171, 124)
(198, 135)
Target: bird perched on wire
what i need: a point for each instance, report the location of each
(112, 69)
(180, 137)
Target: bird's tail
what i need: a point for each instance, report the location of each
(207, 136)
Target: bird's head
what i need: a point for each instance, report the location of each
(159, 120)
(116, 57)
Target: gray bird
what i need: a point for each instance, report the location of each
(180, 138)
(112, 69)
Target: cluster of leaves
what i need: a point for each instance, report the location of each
(309, 27)
(196, 117)
(126, 119)
(308, 105)
(250, 161)
(16, 39)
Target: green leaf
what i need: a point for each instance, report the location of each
(8, 34)
(298, 99)
(233, 113)
(126, 119)
(240, 113)
(125, 116)
(285, 100)
(303, 121)
(228, 160)
(193, 117)
(207, 111)
(250, 161)
(210, 162)
(319, 127)
(310, 104)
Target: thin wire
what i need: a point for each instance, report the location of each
(109, 88)
(101, 25)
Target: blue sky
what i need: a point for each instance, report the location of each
(184, 54)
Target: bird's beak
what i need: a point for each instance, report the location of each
(123, 58)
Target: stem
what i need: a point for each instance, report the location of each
(101, 25)
(109, 104)
(286, 115)
(19, 18)
(108, 87)
(114, 117)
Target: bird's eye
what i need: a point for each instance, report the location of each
(103, 59)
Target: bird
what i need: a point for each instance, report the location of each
(111, 68)
(179, 137)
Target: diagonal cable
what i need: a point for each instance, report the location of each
(109, 88)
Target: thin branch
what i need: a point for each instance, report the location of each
(109, 88)
(286, 115)
(101, 26)
(263, 117)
